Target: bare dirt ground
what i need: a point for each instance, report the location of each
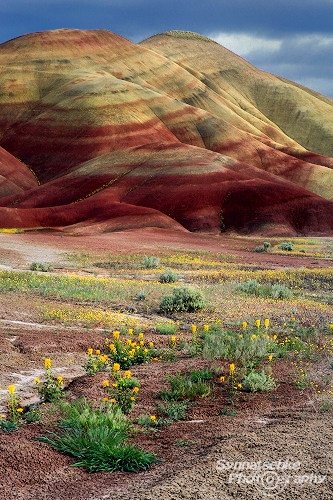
(284, 426)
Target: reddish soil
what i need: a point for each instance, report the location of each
(282, 425)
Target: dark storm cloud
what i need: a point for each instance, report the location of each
(291, 38)
(135, 19)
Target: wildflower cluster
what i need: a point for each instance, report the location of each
(96, 362)
(52, 388)
(123, 391)
(128, 352)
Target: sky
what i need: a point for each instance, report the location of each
(289, 38)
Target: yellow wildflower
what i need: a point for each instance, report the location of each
(136, 389)
(105, 383)
(222, 378)
(60, 380)
(11, 389)
(132, 398)
(90, 351)
(116, 335)
(20, 410)
(206, 328)
(232, 367)
(116, 367)
(194, 328)
(270, 357)
(37, 380)
(105, 399)
(266, 323)
(47, 363)
(258, 322)
(127, 374)
(130, 331)
(140, 336)
(98, 352)
(113, 400)
(153, 418)
(151, 344)
(244, 325)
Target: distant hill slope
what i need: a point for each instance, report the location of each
(174, 132)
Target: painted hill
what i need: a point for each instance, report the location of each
(177, 132)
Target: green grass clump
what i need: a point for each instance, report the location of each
(97, 438)
(183, 299)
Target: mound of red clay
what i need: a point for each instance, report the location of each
(176, 132)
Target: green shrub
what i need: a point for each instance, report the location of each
(204, 374)
(168, 277)
(166, 328)
(255, 381)
(281, 292)
(41, 266)
(251, 287)
(183, 299)
(287, 246)
(173, 410)
(98, 439)
(248, 349)
(263, 248)
(8, 425)
(150, 262)
(182, 387)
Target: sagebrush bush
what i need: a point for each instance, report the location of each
(150, 262)
(168, 277)
(287, 246)
(255, 381)
(281, 292)
(183, 299)
(252, 287)
(41, 266)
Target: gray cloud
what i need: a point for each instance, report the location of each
(303, 58)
